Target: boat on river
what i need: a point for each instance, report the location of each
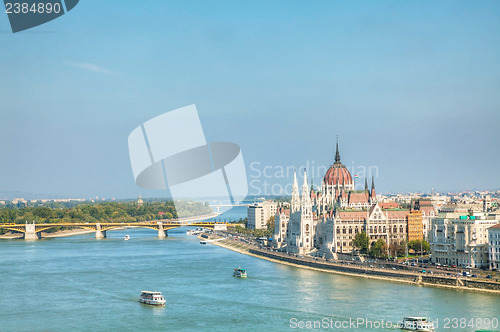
(417, 324)
(126, 238)
(194, 231)
(152, 298)
(240, 273)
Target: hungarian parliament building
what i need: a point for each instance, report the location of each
(326, 221)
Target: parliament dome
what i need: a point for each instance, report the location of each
(338, 173)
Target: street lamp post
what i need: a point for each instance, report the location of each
(422, 252)
(406, 251)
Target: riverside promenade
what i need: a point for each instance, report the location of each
(358, 270)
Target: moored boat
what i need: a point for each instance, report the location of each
(152, 298)
(194, 231)
(240, 273)
(417, 324)
(126, 238)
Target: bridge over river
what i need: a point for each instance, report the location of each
(33, 231)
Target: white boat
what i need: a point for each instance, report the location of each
(203, 242)
(194, 231)
(417, 324)
(126, 238)
(240, 273)
(152, 298)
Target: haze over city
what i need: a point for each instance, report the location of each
(409, 90)
(194, 165)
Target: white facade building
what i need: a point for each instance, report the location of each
(494, 246)
(327, 221)
(281, 227)
(460, 240)
(259, 213)
(300, 229)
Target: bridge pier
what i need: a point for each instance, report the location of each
(99, 234)
(31, 233)
(162, 234)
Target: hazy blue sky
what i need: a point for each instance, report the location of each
(411, 87)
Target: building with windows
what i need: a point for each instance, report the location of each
(494, 247)
(428, 211)
(281, 226)
(415, 232)
(259, 213)
(336, 231)
(326, 221)
(300, 228)
(460, 240)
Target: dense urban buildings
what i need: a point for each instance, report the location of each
(461, 240)
(327, 220)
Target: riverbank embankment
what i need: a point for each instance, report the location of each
(408, 277)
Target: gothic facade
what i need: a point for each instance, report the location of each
(326, 221)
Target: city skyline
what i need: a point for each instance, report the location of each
(410, 88)
(321, 164)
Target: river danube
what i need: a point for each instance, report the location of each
(79, 283)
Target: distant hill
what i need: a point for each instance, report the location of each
(9, 195)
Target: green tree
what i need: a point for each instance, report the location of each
(412, 245)
(417, 246)
(259, 232)
(378, 249)
(239, 229)
(42, 212)
(77, 212)
(270, 224)
(361, 242)
(397, 249)
(426, 246)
